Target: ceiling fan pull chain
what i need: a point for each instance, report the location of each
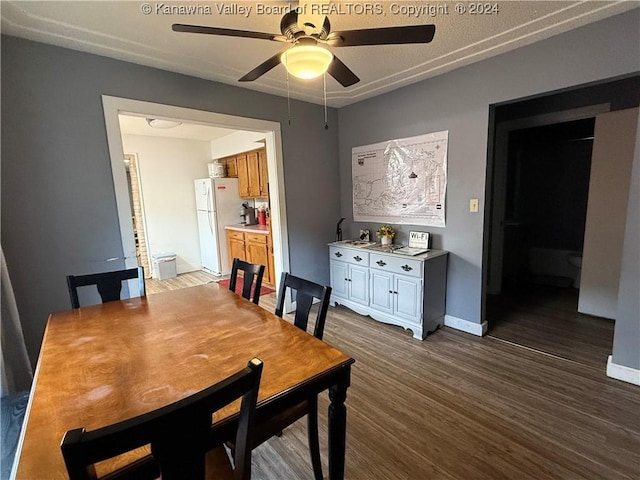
(324, 87)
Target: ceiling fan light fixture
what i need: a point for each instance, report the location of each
(306, 61)
(164, 124)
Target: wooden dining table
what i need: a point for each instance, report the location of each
(104, 363)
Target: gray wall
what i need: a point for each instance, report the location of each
(459, 102)
(626, 339)
(58, 202)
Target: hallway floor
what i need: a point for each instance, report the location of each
(545, 318)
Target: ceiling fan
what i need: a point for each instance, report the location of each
(309, 55)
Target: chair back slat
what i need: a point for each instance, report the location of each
(250, 272)
(109, 290)
(306, 291)
(109, 284)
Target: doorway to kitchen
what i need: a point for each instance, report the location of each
(269, 131)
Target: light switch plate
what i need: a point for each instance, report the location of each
(473, 205)
(364, 235)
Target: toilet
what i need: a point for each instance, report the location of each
(575, 260)
(560, 268)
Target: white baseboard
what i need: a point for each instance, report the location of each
(478, 329)
(620, 372)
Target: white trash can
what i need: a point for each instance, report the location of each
(164, 265)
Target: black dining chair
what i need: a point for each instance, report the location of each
(250, 271)
(179, 435)
(109, 284)
(305, 293)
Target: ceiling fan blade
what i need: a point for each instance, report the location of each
(342, 73)
(180, 27)
(383, 36)
(261, 69)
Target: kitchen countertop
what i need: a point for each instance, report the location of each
(249, 228)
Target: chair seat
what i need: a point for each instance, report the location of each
(218, 466)
(264, 428)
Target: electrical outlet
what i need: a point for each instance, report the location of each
(364, 235)
(473, 205)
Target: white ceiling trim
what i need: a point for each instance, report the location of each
(423, 71)
(155, 57)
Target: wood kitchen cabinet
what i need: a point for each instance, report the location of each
(252, 172)
(243, 175)
(231, 166)
(235, 242)
(263, 174)
(270, 261)
(255, 245)
(253, 176)
(254, 248)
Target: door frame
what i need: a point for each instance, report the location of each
(114, 106)
(139, 217)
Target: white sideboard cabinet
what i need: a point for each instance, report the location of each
(408, 291)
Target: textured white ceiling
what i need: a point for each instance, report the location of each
(134, 125)
(124, 30)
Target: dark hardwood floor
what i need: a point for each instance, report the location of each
(546, 318)
(457, 406)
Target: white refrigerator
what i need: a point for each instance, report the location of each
(217, 204)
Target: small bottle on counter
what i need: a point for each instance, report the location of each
(262, 216)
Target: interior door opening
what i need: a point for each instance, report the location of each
(534, 233)
(545, 207)
(270, 131)
(547, 189)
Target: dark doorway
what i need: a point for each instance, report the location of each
(547, 188)
(537, 189)
(546, 203)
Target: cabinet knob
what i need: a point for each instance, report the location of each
(407, 268)
(390, 291)
(357, 258)
(381, 263)
(338, 254)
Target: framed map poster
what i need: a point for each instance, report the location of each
(401, 181)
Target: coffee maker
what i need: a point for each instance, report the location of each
(248, 214)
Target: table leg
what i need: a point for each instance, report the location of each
(338, 424)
